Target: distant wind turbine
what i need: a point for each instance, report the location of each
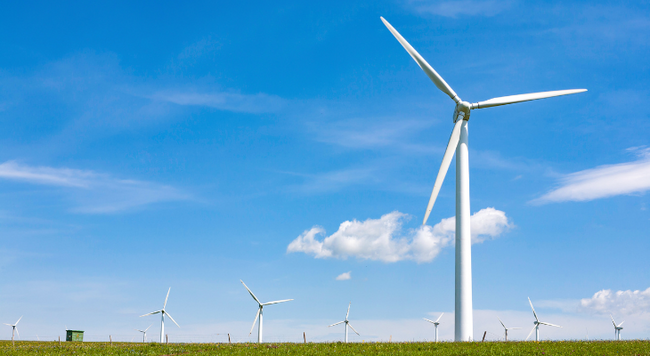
(347, 323)
(144, 333)
(435, 323)
(163, 312)
(506, 329)
(458, 142)
(537, 324)
(260, 312)
(617, 328)
(14, 330)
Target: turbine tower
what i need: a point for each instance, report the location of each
(506, 329)
(144, 333)
(458, 142)
(347, 323)
(260, 312)
(163, 312)
(537, 324)
(435, 323)
(14, 330)
(617, 328)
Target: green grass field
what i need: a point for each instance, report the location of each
(414, 348)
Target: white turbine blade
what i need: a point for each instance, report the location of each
(437, 320)
(530, 333)
(350, 325)
(249, 291)
(167, 297)
(139, 330)
(549, 324)
(8, 324)
(170, 317)
(277, 301)
(255, 321)
(152, 313)
(430, 72)
(619, 325)
(613, 322)
(531, 307)
(429, 320)
(18, 320)
(511, 99)
(444, 167)
(515, 328)
(348, 313)
(145, 330)
(502, 324)
(336, 323)
(17, 333)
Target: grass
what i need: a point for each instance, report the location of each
(636, 347)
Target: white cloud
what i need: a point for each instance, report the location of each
(344, 276)
(603, 181)
(93, 192)
(622, 302)
(462, 7)
(230, 101)
(384, 240)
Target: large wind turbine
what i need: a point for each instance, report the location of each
(506, 329)
(14, 330)
(260, 312)
(435, 323)
(347, 323)
(458, 142)
(163, 312)
(617, 328)
(144, 333)
(537, 324)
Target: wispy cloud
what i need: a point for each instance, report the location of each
(93, 192)
(603, 181)
(384, 240)
(461, 7)
(344, 276)
(229, 101)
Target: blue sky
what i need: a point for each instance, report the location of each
(161, 144)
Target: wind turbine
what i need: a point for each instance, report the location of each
(144, 333)
(14, 330)
(537, 324)
(458, 142)
(347, 323)
(436, 323)
(260, 312)
(163, 312)
(617, 328)
(506, 329)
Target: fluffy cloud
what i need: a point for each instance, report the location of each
(462, 7)
(622, 302)
(384, 240)
(603, 181)
(344, 276)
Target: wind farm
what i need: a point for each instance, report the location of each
(307, 148)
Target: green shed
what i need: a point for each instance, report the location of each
(74, 335)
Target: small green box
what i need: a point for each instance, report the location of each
(74, 335)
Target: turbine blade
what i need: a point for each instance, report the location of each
(515, 328)
(167, 297)
(255, 321)
(531, 307)
(613, 322)
(152, 313)
(429, 320)
(549, 324)
(430, 72)
(249, 291)
(350, 325)
(444, 167)
(348, 313)
(139, 330)
(17, 333)
(18, 320)
(619, 325)
(437, 320)
(145, 330)
(530, 333)
(502, 324)
(11, 325)
(511, 99)
(336, 323)
(170, 317)
(277, 301)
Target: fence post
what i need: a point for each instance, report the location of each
(166, 338)
(229, 339)
(110, 339)
(304, 337)
(485, 333)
